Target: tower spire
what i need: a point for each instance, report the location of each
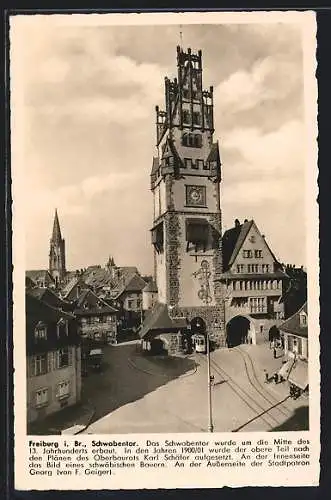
(56, 234)
(57, 266)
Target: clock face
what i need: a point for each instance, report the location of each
(195, 195)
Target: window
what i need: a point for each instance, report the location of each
(265, 268)
(138, 303)
(197, 140)
(253, 268)
(130, 304)
(258, 254)
(240, 268)
(247, 254)
(196, 118)
(197, 233)
(62, 358)
(40, 332)
(186, 93)
(42, 397)
(188, 162)
(62, 328)
(39, 364)
(192, 140)
(206, 166)
(303, 319)
(63, 390)
(258, 304)
(199, 164)
(186, 116)
(157, 239)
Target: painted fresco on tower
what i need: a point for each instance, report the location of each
(165, 239)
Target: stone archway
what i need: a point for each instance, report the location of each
(240, 330)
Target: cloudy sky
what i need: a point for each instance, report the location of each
(88, 95)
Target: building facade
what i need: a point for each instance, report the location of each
(97, 320)
(253, 282)
(185, 182)
(53, 359)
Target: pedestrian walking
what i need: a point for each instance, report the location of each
(275, 352)
(266, 376)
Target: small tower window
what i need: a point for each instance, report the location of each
(197, 140)
(196, 118)
(200, 164)
(186, 116)
(188, 162)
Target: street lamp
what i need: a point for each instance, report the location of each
(210, 411)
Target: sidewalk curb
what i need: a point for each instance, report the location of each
(133, 364)
(89, 420)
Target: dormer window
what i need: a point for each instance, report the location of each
(303, 319)
(40, 332)
(85, 306)
(62, 328)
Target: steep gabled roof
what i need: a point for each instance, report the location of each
(135, 283)
(34, 275)
(292, 324)
(232, 241)
(47, 296)
(37, 310)
(159, 320)
(96, 305)
(151, 287)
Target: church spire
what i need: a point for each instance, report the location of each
(57, 265)
(56, 234)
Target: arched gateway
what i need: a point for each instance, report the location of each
(240, 330)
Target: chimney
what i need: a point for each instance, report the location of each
(236, 223)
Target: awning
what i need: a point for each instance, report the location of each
(299, 374)
(286, 368)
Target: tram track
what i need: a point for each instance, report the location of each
(242, 394)
(273, 414)
(256, 384)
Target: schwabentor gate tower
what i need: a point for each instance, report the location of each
(185, 181)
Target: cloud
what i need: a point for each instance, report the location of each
(261, 155)
(90, 95)
(272, 78)
(77, 199)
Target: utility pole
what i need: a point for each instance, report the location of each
(210, 412)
